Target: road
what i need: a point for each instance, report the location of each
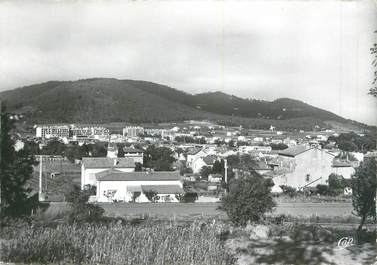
(211, 209)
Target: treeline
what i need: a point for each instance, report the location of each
(71, 151)
(352, 142)
(190, 139)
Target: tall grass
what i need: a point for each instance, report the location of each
(163, 243)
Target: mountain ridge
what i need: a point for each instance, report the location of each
(123, 100)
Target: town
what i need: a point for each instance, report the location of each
(193, 158)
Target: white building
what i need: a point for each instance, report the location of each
(194, 154)
(302, 166)
(52, 131)
(92, 165)
(88, 131)
(114, 185)
(200, 162)
(133, 131)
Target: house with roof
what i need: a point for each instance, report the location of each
(344, 168)
(303, 166)
(194, 154)
(115, 185)
(92, 165)
(134, 153)
(200, 162)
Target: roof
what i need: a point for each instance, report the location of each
(104, 162)
(259, 165)
(59, 166)
(107, 172)
(344, 163)
(163, 189)
(371, 154)
(209, 160)
(134, 188)
(138, 176)
(294, 150)
(194, 151)
(132, 150)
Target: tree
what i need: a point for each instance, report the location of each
(218, 167)
(138, 167)
(279, 146)
(120, 149)
(364, 186)
(54, 147)
(373, 90)
(336, 184)
(159, 158)
(248, 199)
(16, 169)
(205, 171)
(97, 149)
(81, 210)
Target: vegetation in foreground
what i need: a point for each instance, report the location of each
(204, 242)
(114, 243)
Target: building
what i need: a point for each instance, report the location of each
(134, 153)
(194, 154)
(133, 131)
(114, 185)
(96, 132)
(71, 131)
(344, 168)
(52, 131)
(302, 166)
(200, 162)
(254, 148)
(92, 165)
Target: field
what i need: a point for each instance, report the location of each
(172, 211)
(211, 209)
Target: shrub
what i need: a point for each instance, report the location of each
(322, 189)
(188, 197)
(288, 190)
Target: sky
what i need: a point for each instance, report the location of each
(314, 51)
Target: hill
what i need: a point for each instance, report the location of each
(103, 100)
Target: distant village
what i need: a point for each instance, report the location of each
(204, 157)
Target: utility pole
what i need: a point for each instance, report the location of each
(226, 170)
(40, 178)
